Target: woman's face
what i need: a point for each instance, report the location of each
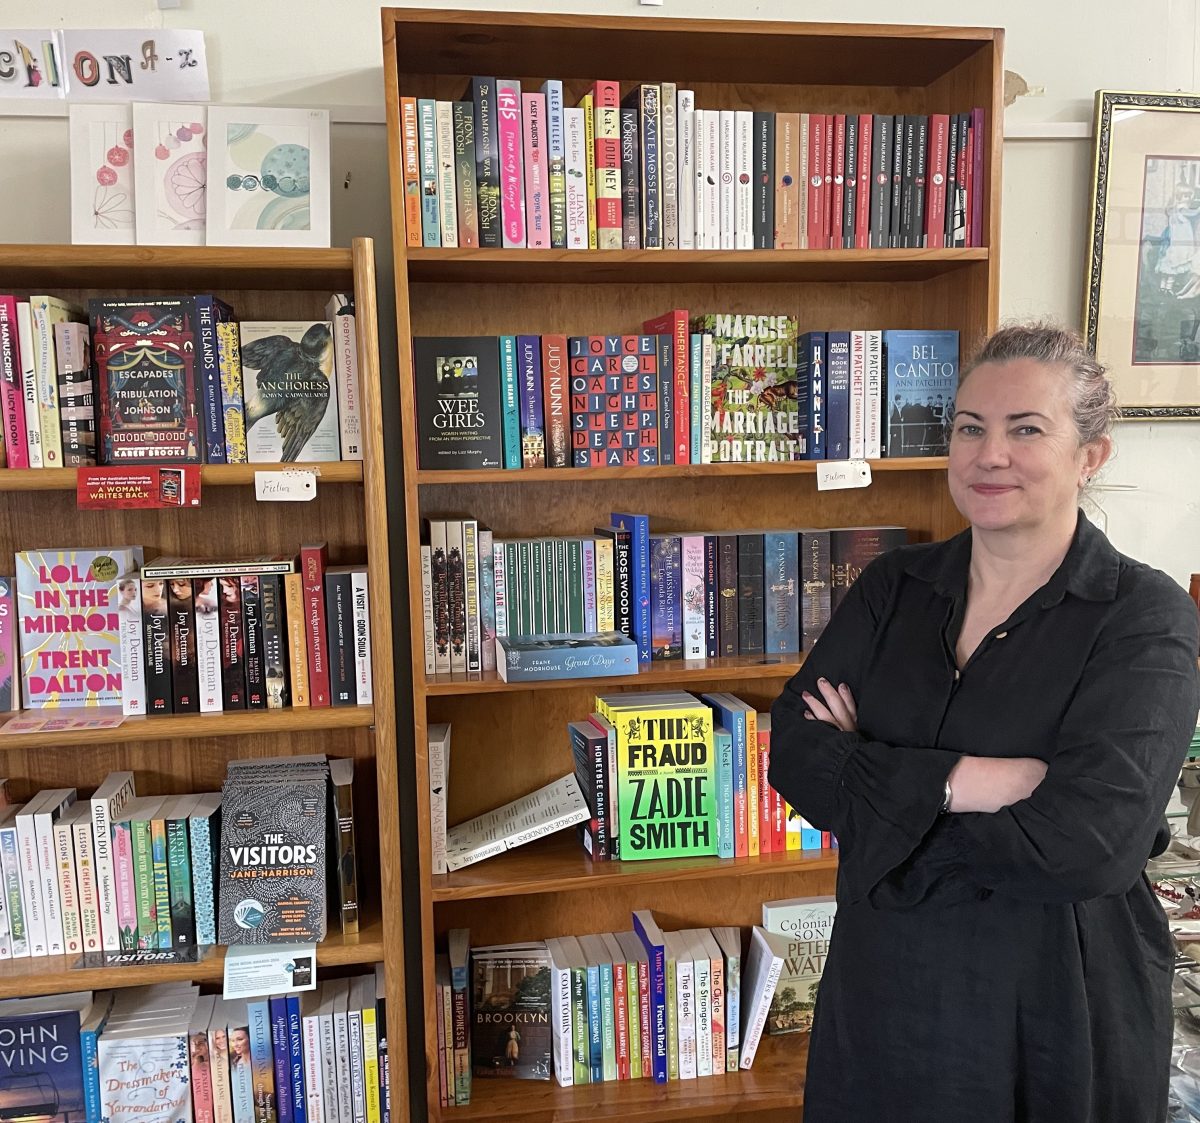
(1015, 457)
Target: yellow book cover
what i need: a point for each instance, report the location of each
(792, 827)
(229, 362)
(589, 134)
(605, 586)
(293, 600)
(47, 311)
(370, 1032)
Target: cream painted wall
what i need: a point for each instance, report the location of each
(328, 54)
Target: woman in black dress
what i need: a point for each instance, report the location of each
(992, 727)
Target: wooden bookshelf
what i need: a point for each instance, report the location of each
(189, 752)
(510, 738)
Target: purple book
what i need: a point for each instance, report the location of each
(9, 691)
(666, 580)
(529, 390)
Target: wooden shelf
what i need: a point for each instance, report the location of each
(185, 267)
(641, 267)
(558, 865)
(651, 675)
(48, 974)
(175, 726)
(666, 471)
(776, 1082)
(211, 475)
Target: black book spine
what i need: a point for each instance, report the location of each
(908, 180)
(631, 216)
(650, 123)
(256, 679)
(590, 752)
(160, 698)
(881, 189)
(814, 586)
(850, 182)
(764, 181)
(275, 641)
(623, 582)
(340, 625)
(951, 173)
(751, 637)
(727, 595)
(712, 598)
(185, 676)
(920, 175)
(897, 164)
(487, 162)
(233, 643)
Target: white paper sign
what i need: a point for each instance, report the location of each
(29, 65)
(134, 65)
(274, 969)
(834, 475)
(293, 486)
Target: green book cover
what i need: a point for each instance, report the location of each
(558, 577)
(635, 1020)
(574, 573)
(143, 880)
(179, 872)
(162, 887)
(537, 551)
(553, 581)
(525, 586)
(579, 1026)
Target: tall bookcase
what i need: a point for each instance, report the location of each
(189, 752)
(509, 739)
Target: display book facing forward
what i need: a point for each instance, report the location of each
(699, 389)
(515, 168)
(183, 635)
(175, 379)
(690, 595)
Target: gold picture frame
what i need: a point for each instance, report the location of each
(1142, 298)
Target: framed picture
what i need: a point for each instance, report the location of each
(1142, 299)
(269, 171)
(102, 210)
(170, 154)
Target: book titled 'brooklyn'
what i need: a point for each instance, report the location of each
(457, 381)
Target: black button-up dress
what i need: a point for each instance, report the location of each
(1006, 967)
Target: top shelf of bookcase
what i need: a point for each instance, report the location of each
(188, 268)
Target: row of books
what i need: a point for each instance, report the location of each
(187, 635)
(166, 1053)
(520, 169)
(707, 389)
(176, 380)
(638, 1005)
(677, 595)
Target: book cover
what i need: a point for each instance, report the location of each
(363, 668)
(411, 149)
(339, 620)
(511, 162)
(537, 171)
(208, 643)
(185, 674)
(344, 866)
(145, 1078)
(207, 313)
(837, 425)
(510, 1012)
(10, 679)
(233, 642)
(487, 162)
(815, 574)
(290, 399)
(203, 827)
(466, 189)
(133, 662)
(340, 310)
(252, 635)
(41, 1065)
(274, 641)
(12, 390)
(314, 560)
(459, 422)
(76, 400)
(447, 206)
(751, 603)
(781, 603)
(852, 549)
(666, 597)
(431, 231)
(531, 398)
(564, 655)
(921, 378)
(807, 925)
(295, 627)
(556, 401)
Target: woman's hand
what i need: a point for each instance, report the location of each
(989, 784)
(835, 706)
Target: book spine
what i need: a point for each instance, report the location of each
(252, 634)
(556, 156)
(865, 188)
(837, 428)
(835, 196)
(162, 883)
(556, 401)
(76, 402)
(743, 186)
(533, 427)
(12, 399)
(281, 1058)
(203, 880)
(747, 726)
(233, 406)
(607, 107)
(849, 163)
(763, 180)
(363, 665)
(29, 388)
(895, 230)
(370, 1059)
(447, 194)
(349, 389)
(510, 401)
(358, 1091)
(702, 968)
(650, 135)
(330, 1064)
(589, 156)
(631, 201)
(728, 629)
(68, 891)
(537, 172)
(512, 170)
(761, 748)
(467, 198)
(727, 194)
(156, 633)
(31, 888)
(339, 619)
(685, 129)
(487, 162)
(591, 622)
(133, 655)
(673, 1055)
(576, 179)
(977, 180)
(431, 226)
(560, 999)
(669, 172)
(208, 645)
(10, 867)
(758, 1019)
(208, 373)
(920, 174)
(470, 548)
(693, 599)
(608, 1032)
(781, 607)
(124, 889)
(935, 208)
(182, 909)
(275, 640)
(751, 636)
(411, 156)
(46, 373)
(881, 178)
(185, 680)
(313, 563)
(709, 219)
(143, 883)
(89, 901)
(233, 642)
(620, 1004)
(307, 1074)
(295, 626)
(262, 1062)
(503, 586)
(858, 395)
(726, 813)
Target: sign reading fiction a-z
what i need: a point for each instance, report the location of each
(104, 65)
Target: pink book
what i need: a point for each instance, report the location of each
(862, 201)
(512, 171)
(977, 182)
(10, 680)
(198, 1052)
(12, 399)
(537, 172)
(935, 206)
(123, 884)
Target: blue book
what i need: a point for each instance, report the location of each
(89, 1034)
(666, 400)
(556, 655)
(781, 586)
(723, 747)
(41, 1061)
(556, 154)
(262, 1061)
(281, 1053)
(207, 312)
(529, 390)
(431, 230)
(810, 837)
(595, 1023)
(638, 527)
(510, 407)
(296, 1059)
(812, 371)
(837, 435)
(733, 719)
(921, 382)
(666, 597)
(202, 836)
(651, 936)
(696, 393)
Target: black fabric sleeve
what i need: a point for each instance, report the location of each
(878, 799)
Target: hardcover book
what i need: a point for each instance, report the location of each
(921, 383)
(510, 1012)
(459, 422)
(41, 1066)
(807, 925)
(290, 394)
(565, 655)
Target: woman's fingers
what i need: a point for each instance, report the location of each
(848, 698)
(819, 710)
(842, 713)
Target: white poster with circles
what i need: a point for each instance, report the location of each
(269, 170)
(170, 158)
(102, 175)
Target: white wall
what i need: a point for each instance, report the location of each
(307, 53)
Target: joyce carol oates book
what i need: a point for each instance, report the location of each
(807, 925)
(289, 392)
(510, 1012)
(921, 384)
(144, 353)
(457, 383)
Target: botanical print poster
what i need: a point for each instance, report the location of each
(102, 210)
(269, 170)
(170, 173)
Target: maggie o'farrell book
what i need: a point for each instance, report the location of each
(921, 383)
(457, 383)
(510, 1011)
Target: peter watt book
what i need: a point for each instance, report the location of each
(807, 925)
(457, 384)
(921, 382)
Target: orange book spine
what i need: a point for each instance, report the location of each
(297, 633)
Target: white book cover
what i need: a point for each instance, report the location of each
(669, 134)
(354, 1037)
(145, 1079)
(360, 595)
(710, 153)
(743, 180)
(218, 1060)
(447, 198)
(25, 348)
(107, 803)
(290, 398)
(427, 609)
(874, 346)
(702, 968)
(500, 576)
(729, 940)
(68, 880)
(208, 645)
(685, 129)
(170, 173)
(438, 736)
(46, 312)
(133, 654)
(85, 880)
(763, 964)
(10, 868)
(576, 165)
(340, 310)
(692, 569)
(44, 818)
(727, 161)
(705, 186)
(31, 882)
(314, 1076)
(685, 1003)
(341, 1030)
(329, 1055)
(858, 395)
(717, 1000)
(560, 1013)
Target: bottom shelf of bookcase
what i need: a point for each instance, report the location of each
(51, 974)
(775, 1083)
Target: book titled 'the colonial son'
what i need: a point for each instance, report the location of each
(807, 925)
(457, 382)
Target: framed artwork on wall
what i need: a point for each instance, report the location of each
(1142, 296)
(170, 177)
(102, 211)
(269, 177)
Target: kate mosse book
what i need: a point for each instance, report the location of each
(457, 382)
(565, 655)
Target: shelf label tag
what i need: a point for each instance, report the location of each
(58, 721)
(834, 475)
(146, 486)
(254, 969)
(294, 485)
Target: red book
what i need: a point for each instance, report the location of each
(935, 205)
(827, 181)
(862, 201)
(816, 178)
(969, 220)
(675, 324)
(314, 560)
(837, 187)
(977, 180)
(555, 401)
